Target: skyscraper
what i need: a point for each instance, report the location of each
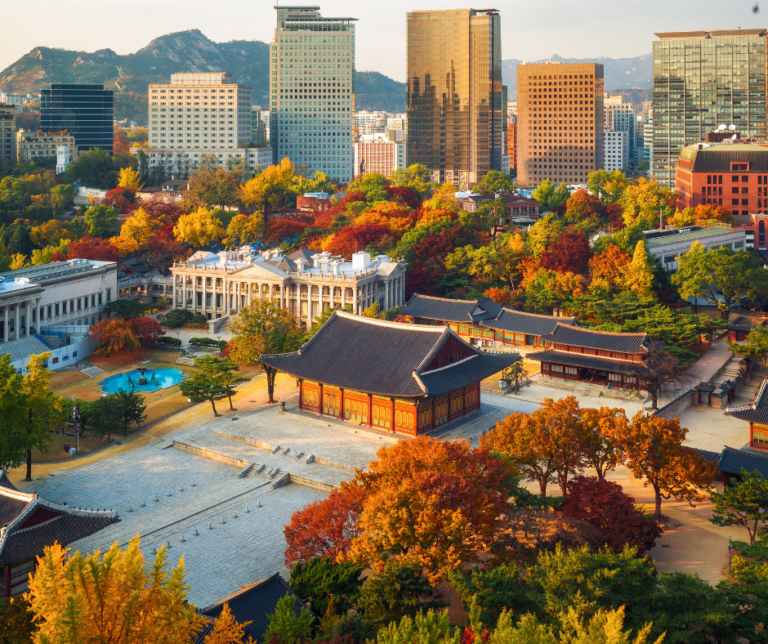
(559, 122)
(620, 117)
(85, 111)
(453, 93)
(702, 79)
(312, 92)
(7, 132)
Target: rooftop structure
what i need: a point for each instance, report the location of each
(756, 415)
(388, 375)
(670, 244)
(29, 523)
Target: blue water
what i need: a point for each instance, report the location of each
(156, 379)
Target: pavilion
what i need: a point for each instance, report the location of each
(389, 375)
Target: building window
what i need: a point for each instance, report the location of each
(557, 368)
(109, 295)
(760, 437)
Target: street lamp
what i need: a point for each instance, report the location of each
(178, 339)
(218, 343)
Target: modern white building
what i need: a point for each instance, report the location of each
(620, 117)
(46, 306)
(382, 153)
(667, 245)
(312, 91)
(305, 282)
(616, 151)
(181, 162)
(62, 158)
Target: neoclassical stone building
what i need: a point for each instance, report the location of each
(217, 285)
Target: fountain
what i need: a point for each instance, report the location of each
(142, 376)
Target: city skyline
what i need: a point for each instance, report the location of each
(533, 32)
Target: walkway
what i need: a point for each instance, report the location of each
(710, 363)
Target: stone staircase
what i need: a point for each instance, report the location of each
(92, 371)
(189, 362)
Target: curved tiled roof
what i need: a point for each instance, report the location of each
(588, 362)
(757, 412)
(386, 358)
(732, 461)
(28, 523)
(520, 322)
(440, 308)
(605, 340)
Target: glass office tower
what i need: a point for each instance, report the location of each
(454, 93)
(85, 111)
(702, 79)
(312, 91)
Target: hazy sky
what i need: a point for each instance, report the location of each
(530, 30)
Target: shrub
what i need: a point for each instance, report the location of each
(176, 342)
(177, 318)
(198, 318)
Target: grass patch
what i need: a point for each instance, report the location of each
(56, 450)
(61, 379)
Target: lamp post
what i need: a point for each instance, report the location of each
(76, 418)
(218, 343)
(178, 339)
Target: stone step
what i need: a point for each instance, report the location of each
(189, 362)
(92, 372)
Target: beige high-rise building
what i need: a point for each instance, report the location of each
(560, 122)
(7, 133)
(454, 93)
(198, 111)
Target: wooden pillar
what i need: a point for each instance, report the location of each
(301, 394)
(434, 420)
(370, 410)
(341, 405)
(392, 422)
(321, 399)
(464, 400)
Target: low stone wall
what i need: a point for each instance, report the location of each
(211, 455)
(316, 485)
(677, 406)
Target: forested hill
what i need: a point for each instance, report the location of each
(185, 51)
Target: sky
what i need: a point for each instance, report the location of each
(530, 30)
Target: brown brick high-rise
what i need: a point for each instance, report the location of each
(559, 122)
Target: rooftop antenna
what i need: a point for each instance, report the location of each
(731, 127)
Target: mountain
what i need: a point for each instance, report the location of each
(620, 73)
(185, 51)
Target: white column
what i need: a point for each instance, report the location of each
(28, 318)
(18, 320)
(6, 317)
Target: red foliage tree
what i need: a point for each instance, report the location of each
(417, 280)
(146, 329)
(356, 238)
(124, 199)
(404, 194)
(582, 205)
(163, 210)
(325, 218)
(279, 230)
(352, 197)
(89, 248)
(430, 252)
(615, 215)
(121, 143)
(324, 528)
(163, 248)
(569, 253)
(605, 505)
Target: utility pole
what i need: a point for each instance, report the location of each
(76, 418)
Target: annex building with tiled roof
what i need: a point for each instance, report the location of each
(389, 375)
(483, 322)
(597, 357)
(29, 523)
(756, 415)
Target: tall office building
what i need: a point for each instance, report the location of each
(198, 111)
(559, 122)
(85, 111)
(702, 79)
(454, 94)
(7, 133)
(312, 91)
(620, 117)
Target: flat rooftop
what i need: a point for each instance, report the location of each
(53, 269)
(691, 236)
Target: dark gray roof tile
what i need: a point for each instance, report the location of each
(443, 309)
(529, 323)
(604, 340)
(588, 362)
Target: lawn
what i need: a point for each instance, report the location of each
(61, 379)
(56, 451)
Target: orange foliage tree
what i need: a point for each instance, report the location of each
(112, 335)
(146, 329)
(428, 502)
(356, 238)
(600, 426)
(502, 296)
(608, 268)
(324, 528)
(654, 451)
(548, 444)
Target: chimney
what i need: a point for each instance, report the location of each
(223, 257)
(300, 264)
(335, 266)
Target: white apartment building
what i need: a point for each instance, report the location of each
(382, 153)
(397, 122)
(7, 131)
(376, 119)
(305, 282)
(31, 145)
(616, 151)
(312, 92)
(181, 162)
(199, 111)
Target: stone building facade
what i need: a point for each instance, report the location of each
(305, 282)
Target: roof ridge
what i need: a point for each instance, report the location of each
(536, 315)
(387, 323)
(444, 299)
(586, 329)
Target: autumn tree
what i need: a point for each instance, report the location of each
(600, 426)
(608, 186)
(42, 409)
(428, 502)
(495, 182)
(645, 202)
(638, 277)
(721, 276)
(89, 248)
(607, 269)
(102, 221)
(659, 371)
(146, 329)
(653, 449)
(199, 228)
(324, 528)
(743, 503)
(244, 229)
(211, 186)
(547, 444)
(144, 604)
(227, 630)
(356, 238)
(264, 328)
(569, 253)
(129, 178)
(605, 505)
(113, 335)
(502, 296)
(140, 227)
(273, 188)
(754, 347)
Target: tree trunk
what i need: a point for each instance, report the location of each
(29, 464)
(657, 494)
(543, 487)
(231, 408)
(271, 374)
(654, 399)
(213, 405)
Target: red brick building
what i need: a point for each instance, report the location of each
(517, 206)
(388, 375)
(731, 175)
